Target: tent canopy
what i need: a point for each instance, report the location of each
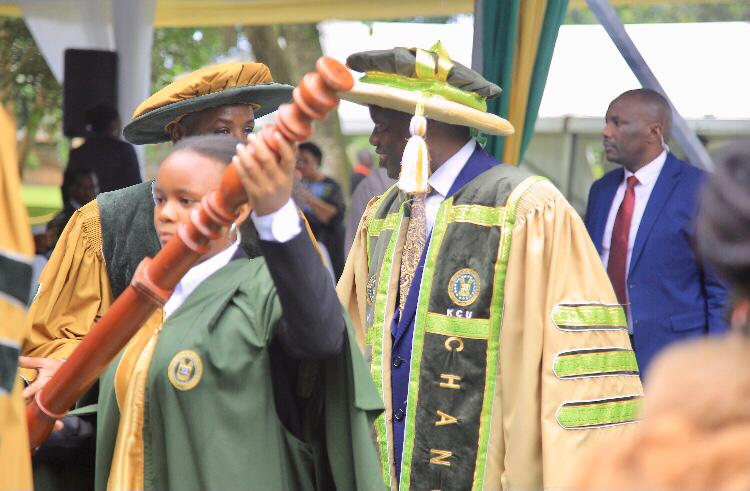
(193, 13)
(586, 71)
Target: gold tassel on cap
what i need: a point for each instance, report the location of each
(415, 163)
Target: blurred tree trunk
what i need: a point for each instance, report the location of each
(290, 51)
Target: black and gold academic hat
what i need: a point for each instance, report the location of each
(450, 92)
(219, 85)
(428, 85)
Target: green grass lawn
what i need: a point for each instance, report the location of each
(42, 202)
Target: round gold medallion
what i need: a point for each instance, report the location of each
(185, 370)
(463, 287)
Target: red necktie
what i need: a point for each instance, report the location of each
(618, 249)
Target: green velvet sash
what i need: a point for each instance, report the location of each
(455, 350)
(128, 234)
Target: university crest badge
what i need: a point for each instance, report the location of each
(185, 370)
(463, 287)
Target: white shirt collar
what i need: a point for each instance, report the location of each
(442, 179)
(198, 273)
(648, 174)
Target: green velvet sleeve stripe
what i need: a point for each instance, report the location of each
(15, 277)
(604, 412)
(595, 363)
(589, 317)
(9, 351)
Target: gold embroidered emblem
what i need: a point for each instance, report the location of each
(463, 287)
(185, 370)
(371, 285)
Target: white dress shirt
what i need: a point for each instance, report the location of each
(196, 275)
(280, 226)
(442, 180)
(646, 176)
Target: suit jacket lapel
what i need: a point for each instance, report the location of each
(609, 189)
(665, 183)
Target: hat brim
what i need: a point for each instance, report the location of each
(149, 128)
(435, 107)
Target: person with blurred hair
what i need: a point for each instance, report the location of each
(112, 160)
(80, 187)
(362, 169)
(371, 186)
(695, 432)
(322, 201)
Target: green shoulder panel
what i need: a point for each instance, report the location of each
(128, 234)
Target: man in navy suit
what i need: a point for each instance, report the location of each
(640, 218)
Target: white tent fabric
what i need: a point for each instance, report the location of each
(697, 64)
(61, 24)
(126, 27)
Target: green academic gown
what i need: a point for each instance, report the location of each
(210, 420)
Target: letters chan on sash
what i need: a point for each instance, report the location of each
(440, 457)
(445, 419)
(454, 343)
(451, 381)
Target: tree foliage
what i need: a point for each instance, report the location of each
(26, 82)
(646, 14)
(177, 51)
(290, 51)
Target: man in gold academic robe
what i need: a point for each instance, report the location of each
(492, 328)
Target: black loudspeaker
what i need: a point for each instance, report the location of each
(90, 80)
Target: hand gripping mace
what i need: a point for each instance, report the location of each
(155, 278)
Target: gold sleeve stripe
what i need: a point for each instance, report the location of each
(589, 317)
(576, 415)
(595, 363)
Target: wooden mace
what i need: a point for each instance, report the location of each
(155, 278)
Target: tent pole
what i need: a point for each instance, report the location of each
(133, 24)
(608, 18)
(477, 48)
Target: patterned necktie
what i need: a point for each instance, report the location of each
(618, 249)
(415, 242)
